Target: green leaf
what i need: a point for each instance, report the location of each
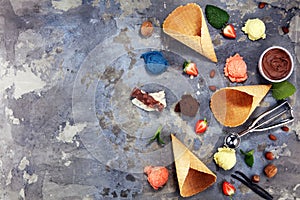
(249, 160)
(249, 157)
(157, 136)
(216, 16)
(282, 90)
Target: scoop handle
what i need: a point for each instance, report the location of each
(256, 127)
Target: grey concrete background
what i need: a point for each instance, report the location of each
(67, 67)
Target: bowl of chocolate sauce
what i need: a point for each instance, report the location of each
(276, 64)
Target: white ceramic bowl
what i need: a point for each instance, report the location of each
(260, 67)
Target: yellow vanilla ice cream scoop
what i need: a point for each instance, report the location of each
(225, 158)
(255, 28)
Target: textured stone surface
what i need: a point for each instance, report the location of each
(66, 70)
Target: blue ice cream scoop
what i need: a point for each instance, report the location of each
(155, 62)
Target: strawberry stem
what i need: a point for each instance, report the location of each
(185, 64)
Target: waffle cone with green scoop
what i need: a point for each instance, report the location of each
(232, 106)
(187, 25)
(193, 176)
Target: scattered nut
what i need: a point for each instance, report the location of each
(270, 170)
(255, 178)
(272, 137)
(212, 73)
(58, 50)
(285, 128)
(261, 5)
(269, 155)
(285, 29)
(147, 29)
(212, 88)
(36, 8)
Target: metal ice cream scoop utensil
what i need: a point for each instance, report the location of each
(234, 139)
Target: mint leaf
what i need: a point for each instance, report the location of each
(216, 16)
(282, 90)
(157, 136)
(249, 160)
(249, 157)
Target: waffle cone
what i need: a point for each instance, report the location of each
(193, 176)
(232, 106)
(187, 25)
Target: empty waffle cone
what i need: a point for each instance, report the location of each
(193, 176)
(232, 106)
(187, 25)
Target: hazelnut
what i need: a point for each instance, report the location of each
(270, 170)
(147, 29)
(272, 137)
(269, 155)
(255, 178)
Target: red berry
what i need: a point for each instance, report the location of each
(229, 31)
(190, 68)
(201, 126)
(228, 188)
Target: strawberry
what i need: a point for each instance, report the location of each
(190, 68)
(201, 126)
(228, 188)
(229, 31)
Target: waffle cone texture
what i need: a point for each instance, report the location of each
(193, 175)
(232, 106)
(187, 25)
